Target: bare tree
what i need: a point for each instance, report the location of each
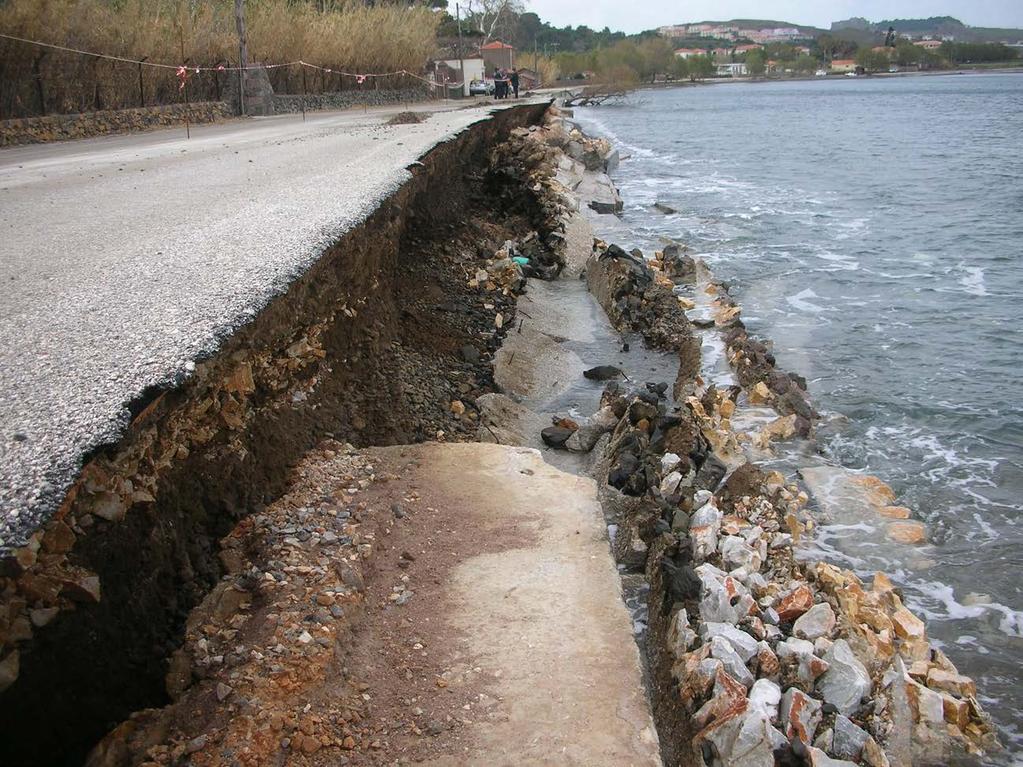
(491, 17)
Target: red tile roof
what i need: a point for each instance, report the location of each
(497, 45)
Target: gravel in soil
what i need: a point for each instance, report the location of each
(327, 643)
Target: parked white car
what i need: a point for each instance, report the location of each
(481, 88)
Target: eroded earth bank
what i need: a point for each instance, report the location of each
(404, 516)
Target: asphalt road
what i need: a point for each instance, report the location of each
(123, 259)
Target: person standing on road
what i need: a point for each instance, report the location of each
(515, 82)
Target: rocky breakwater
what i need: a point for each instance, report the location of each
(754, 367)
(757, 657)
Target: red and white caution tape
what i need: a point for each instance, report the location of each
(182, 71)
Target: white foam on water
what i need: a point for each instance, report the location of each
(973, 280)
(601, 128)
(801, 301)
(850, 228)
(1010, 621)
(844, 263)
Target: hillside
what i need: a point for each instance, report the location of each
(935, 26)
(764, 24)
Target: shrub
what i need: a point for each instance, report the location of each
(349, 36)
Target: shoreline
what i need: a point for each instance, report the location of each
(900, 637)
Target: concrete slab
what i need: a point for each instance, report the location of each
(549, 615)
(125, 259)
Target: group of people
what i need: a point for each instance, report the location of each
(505, 83)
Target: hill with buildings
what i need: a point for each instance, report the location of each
(933, 28)
(741, 30)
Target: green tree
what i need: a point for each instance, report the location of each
(907, 54)
(805, 64)
(680, 68)
(756, 62)
(871, 60)
(701, 67)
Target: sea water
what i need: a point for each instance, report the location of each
(873, 229)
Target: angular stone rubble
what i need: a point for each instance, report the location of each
(772, 658)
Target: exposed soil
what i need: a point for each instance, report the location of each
(366, 347)
(330, 640)
(409, 118)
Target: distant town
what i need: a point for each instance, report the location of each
(741, 48)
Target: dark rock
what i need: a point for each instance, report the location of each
(470, 353)
(793, 401)
(709, 399)
(682, 582)
(778, 382)
(665, 209)
(640, 410)
(703, 323)
(660, 389)
(648, 397)
(607, 208)
(434, 727)
(349, 574)
(627, 464)
(678, 264)
(602, 373)
(710, 473)
(556, 436)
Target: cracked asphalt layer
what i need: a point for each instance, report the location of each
(124, 259)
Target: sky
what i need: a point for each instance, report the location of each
(649, 14)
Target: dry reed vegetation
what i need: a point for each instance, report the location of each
(349, 37)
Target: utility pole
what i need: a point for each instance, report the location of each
(243, 50)
(461, 52)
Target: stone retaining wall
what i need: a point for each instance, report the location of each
(36, 130)
(287, 102)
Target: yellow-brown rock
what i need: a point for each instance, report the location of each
(760, 394)
(894, 512)
(956, 711)
(956, 684)
(908, 531)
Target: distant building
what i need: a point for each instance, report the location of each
(675, 30)
(497, 55)
(450, 71)
(688, 53)
(928, 45)
(734, 69)
(775, 35)
(747, 48)
(843, 65)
